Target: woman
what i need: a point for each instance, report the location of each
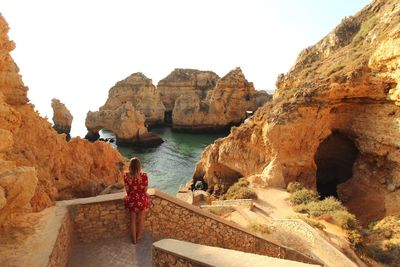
(136, 200)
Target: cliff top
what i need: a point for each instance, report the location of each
(343, 56)
(136, 78)
(235, 75)
(183, 75)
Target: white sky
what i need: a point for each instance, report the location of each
(76, 50)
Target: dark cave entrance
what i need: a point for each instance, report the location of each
(168, 118)
(334, 158)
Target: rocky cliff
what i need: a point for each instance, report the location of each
(138, 90)
(133, 104)
(62, 118)
(224, 106)
(37, 165)
(334, 121)
(185, 82)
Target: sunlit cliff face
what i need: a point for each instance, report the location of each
(334, 121)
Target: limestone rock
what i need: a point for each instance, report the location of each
(262, 97)
(38, 166)
(124, 121)
(62, 118)
(19, 186)
(6, 141)
(3, 199)
(223, 107)
(132, 105)
(138, 90)
(342, 96)
(127, 124)
(182, 82)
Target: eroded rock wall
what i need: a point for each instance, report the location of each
(133, 104)
(37, 165)
(347, 83)
(185, 82)
(223, 107)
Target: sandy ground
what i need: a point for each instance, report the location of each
(272, 204)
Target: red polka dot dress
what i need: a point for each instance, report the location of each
(136, 199)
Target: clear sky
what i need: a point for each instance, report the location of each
(76, 50)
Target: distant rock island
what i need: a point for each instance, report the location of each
(62, 117)
(187, 99)
(133, 104)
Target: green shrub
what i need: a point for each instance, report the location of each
(371, 225)
(302, 208)
(240, 190)
(355, 238)
(365, 28)
(303, 196)
(293, 187)
(345, 219)
(328, 205)
(313, 222)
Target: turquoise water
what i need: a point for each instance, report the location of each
(173, 162)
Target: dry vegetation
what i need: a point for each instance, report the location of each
(221, 210)
(261, 228)
(240, 190)
(307, 201)
(379, 240)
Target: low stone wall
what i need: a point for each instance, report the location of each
(105, 217)
(169, 217)
(163, 258)
(63, 246)
(170, 252)
(100, 219)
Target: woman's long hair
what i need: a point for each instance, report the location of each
(134, 168)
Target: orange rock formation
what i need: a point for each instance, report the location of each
(334, 121)
(37, 165)
(224, 106)
(62, 117)
(132, 105)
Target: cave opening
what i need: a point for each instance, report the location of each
(334, 158)
(168, 118)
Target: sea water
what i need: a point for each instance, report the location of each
(173, 162)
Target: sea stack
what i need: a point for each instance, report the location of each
(224, 106)
(62, 117)
(132, 106)
(185, 82)
(333, 124)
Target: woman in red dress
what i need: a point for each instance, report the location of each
(136, 200)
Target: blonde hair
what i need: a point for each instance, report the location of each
(135, 167)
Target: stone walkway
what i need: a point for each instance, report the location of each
(112, 253)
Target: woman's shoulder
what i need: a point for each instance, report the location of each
(144, 174)
(125, 174)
